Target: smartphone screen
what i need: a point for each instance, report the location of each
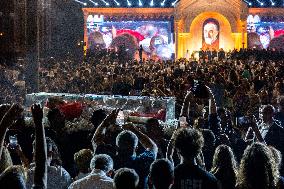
(120, 118)
(182, 121)
(13, 141)
(241, 121)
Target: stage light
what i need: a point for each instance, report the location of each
(128, 3)
(163, 3)
(247, 2)
(152, 3)
(261, 3)
(106, 3)
(80, 2)
(117, 3)
(272, 2)
(140, 3)
(95, 3)
(174, 3)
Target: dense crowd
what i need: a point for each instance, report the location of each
(12, 84)
(230, 133)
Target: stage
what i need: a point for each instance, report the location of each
(192, 25)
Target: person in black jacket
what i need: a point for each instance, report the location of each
(271, 130)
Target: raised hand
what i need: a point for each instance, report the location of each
(37, 113)
(111, 118)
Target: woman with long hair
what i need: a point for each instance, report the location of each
(258, 168)
(224, 167)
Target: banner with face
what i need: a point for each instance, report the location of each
(210, 34)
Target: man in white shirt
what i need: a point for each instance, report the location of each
(99, 178)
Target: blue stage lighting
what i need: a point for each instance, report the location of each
(248, 2)
(82, 3)
(272, 3)
(260, 2)
(95, 3)
(174, 3)
(117, 3)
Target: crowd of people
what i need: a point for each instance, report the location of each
(230, 134)
(12, 84)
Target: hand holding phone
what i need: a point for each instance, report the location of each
(182, 121)
(120, 118)
(13, 140)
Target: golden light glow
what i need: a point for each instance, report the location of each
(228, 41)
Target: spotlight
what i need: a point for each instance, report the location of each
(152, 3)
(106, 3)
(247, 2)
(272, 2)
(117, 3)
(174, 3)
(95, 3)
(140, 3)
(80, 2)
(260, 2)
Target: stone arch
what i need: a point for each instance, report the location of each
(225, 37)
(232, 19)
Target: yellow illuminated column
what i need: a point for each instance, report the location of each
(176, 38)
(86, 13)
(243, 36)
